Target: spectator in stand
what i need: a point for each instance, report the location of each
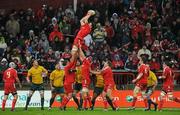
(154, 64)
(3, 44)
(156, 46)
(56, 38)
(99, 34)
(43, 42)
(66, 54)
(12, 26)
(110, 32)
(70, 12)
(117, 63)
(144, 51)
(3, 65)
(64, 25)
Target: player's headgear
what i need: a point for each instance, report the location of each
(12, 65)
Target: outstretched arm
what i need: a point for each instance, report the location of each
(84, 20)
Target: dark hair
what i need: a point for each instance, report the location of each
(144, 59)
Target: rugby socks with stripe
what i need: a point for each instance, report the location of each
(145, 102)
(114, 103)
(134, 101)
(13, 104)
(85, 103)
(105, 104)
(64, 101)
(160, 104)
(3, 105)
(89, 100)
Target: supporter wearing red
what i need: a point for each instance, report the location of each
(10, 77)
(154, 64)
(168, 84)
(86, 65)
(141, 82)
(109, 84)
(69, 80)
(110, 32)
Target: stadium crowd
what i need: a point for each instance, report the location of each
(123, 30)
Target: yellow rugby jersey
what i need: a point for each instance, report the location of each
(57, 77)
(99, 81)
(152, 79)
(36, 74)
(78, 77)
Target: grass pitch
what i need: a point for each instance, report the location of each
(97, 111)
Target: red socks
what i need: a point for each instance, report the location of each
(3, 104)
(64, 101)
(134, 101)
(105, 104)
(114, 103)
(89, 100)
(13, 103)
(145, 102)
(85, 102)
(160, 104)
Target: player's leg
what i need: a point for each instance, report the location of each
(96, 93)
(75, 98)
(69, 90)
(171, 97)
(53, 95)
(42, 99)
(14, 100)
(31, 92)
(109, 94)
(85, 97)
(4, 101)
(81, 99)
(135, 93)
(149, 92)
(161, 102)
(144, 98)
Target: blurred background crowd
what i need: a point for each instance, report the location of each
(123, 30)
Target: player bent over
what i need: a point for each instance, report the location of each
(10, 77)
(168, 80)
(56, 83)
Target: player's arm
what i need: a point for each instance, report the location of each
(51, 80)
(28, 76)
(17, 80)
(96, 72)
(45, 71)
(84, 20)
(137, 78)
